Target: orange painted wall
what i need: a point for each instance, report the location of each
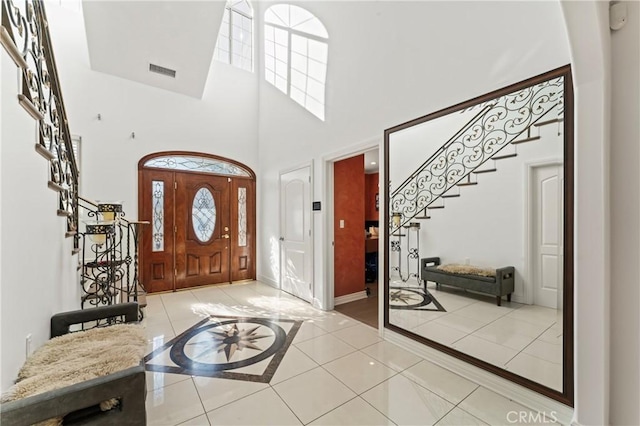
(349, 205)
(371, 189)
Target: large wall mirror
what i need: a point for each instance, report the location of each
(479, 228)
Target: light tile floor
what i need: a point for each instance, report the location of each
(524, 339)
(336, 372)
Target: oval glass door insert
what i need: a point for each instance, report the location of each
(203, 214)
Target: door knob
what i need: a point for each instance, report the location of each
(225, 236)
(226, 228)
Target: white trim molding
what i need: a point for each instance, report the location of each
(269, 281)
(340, 300)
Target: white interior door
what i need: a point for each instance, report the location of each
(547, 233)
(295, 227)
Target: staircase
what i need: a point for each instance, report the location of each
(109, 269)
(490, 136)
(26, 26)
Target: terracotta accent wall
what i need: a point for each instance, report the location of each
(349, 205)
(371, 189)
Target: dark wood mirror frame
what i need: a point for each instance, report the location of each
(567, 394)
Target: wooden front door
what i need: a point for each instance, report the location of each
(202, 224)
(202, 229)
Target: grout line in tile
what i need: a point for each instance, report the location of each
(188, 420)
(200, 398)
(468, 413)
(529, 344)
(446, 414)
(333, 409)
(285, 402)
(374, 407)
(368, 389)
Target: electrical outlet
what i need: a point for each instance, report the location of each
(467, 261)
(28, 345)
(341, 223)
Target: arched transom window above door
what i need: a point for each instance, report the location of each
(296, 52)
(194, 163)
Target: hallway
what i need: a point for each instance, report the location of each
(328, 370)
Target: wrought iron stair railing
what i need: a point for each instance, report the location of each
(25, 36)
(110, 258)
(499, 123)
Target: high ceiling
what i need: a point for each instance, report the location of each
(124, 37)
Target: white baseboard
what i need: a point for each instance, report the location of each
(504, 387)
(350, 297)
(268, 280)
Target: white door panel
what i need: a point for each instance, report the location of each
(546, 214)
(295, 225)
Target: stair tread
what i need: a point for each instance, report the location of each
(500, 157)
(422, 217)
(553, 120)
(435, 207)
(485, 171)
(467, 183)
(449, 195)
(532, 138)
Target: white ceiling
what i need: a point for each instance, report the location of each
(125, 36)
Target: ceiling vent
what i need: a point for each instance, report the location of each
(162, 70)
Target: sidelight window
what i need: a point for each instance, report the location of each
(157, 220)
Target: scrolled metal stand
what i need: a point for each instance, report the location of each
(413, 251)
(109, 268)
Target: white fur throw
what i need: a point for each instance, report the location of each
(77, 357)
(454, 268)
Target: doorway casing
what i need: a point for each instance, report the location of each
(328, 240)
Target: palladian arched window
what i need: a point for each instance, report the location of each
(296, 52)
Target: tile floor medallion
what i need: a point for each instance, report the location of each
(413, 298)
(237, 348)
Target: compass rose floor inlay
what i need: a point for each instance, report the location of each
(413, 298)
(237, 348)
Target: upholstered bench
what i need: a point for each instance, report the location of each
(87, 377)
(498, 282)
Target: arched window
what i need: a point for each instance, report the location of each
(296, 53)
(235, 39)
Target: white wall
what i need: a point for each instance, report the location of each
(37, 270)
(223, 122)
(390, 62)
(625, 221)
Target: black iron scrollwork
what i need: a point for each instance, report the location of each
(110, 261)
(27, 25)
(498, 123)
